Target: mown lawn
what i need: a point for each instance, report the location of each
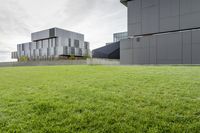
(100, 99)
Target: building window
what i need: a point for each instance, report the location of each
(55, 51)
(80, 52)
(30, 45)
(40, 52)
(52, 43)
(70, 41)
(72, 51)
(42, 44)
(34, 53)
(65, 50)
(56, 41)
(22, 47)
(37, 45)
(76, 43)
(49, 43)
(48, 52)
(86, 45)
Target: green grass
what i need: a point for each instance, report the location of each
(100, 99)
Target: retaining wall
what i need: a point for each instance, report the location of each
(61, 62)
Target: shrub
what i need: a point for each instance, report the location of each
(23, 59)
(72, 57)
(86, 56)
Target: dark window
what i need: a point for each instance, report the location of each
(37, 45)
(56, 41)
(51, 42)
(52, 32)
(72, 51)
(42, 44)
(65, 50)
(86, 45)
(22, 47)
(76, 43)
(70, 42)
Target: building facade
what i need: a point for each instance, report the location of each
(162, 32)
(119, 36)
(52, 43)
(111, 50)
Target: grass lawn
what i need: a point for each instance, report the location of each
(100, 99)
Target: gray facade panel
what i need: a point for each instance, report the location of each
(169, 48)
(134, 29)
(189, 14)
(187, 47)
(126, 51)
(152, 49)
(134, 17)
(169, 15)
(169, 31)
(150, 16)
(40, 35)
(196, 46)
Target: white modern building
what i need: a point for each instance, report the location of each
(53, 43)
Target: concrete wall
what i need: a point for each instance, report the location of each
(169, 48)
(154, 16)
(92, 61)
(95, 61)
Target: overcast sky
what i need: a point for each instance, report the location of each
(96, 19)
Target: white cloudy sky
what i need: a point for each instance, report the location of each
(97, 19)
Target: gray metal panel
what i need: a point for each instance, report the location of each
(196, 47)
(134, 17)
(169, 15)
(187, 47)
(126, 52)
(150, 16)
(134, 29)
(40, 35)
(141, 50)
(125, 44)
(169, 48)
(152, 49)
(189, 14)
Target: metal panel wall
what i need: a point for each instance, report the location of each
(189, 14)
(196, 47)
(169, 48)
(169, 15)
(152, 49)
(150, 16)
(154, 16)
(40, 35)
(126, 51)
(187, 47)
(134, 17)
